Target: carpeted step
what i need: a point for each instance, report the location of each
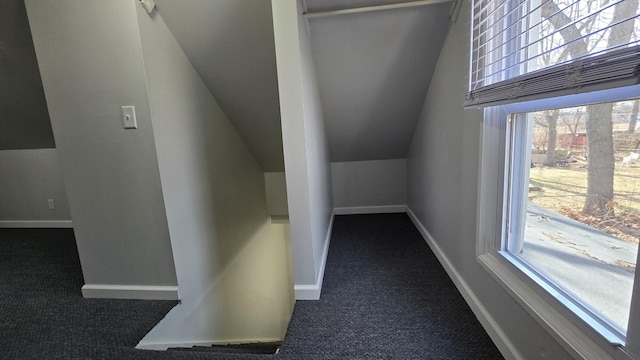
(253, 348)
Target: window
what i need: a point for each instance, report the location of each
(530, 49)
(558, 81)
(578, 227)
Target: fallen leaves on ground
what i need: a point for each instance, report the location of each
(623, 225)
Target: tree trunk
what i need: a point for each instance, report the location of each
(574, 129)
(634, 117)
(552, 122)
(600, 161)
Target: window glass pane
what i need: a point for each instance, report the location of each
(575, 218)
(569, 29)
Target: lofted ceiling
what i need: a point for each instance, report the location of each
(373, 69)
(230, 44)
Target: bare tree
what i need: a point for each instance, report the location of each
(540, 141)
(552, 122)
(573, 127)
(634, 117)
(600, 160)
(599, 127)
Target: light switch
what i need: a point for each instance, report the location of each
(129, 117)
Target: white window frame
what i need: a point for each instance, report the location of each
(567, 323)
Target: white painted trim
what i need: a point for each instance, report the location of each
(307, 292)
(312, 292)
(506, 347)
(64, 224)
(579, 340)
(553, 319)
(386, 209)
(141, 292)
(165, 346)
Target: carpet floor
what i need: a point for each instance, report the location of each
(385, 296)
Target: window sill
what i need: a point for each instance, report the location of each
(556, 314)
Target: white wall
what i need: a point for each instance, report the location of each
(443, 191)
(369, 186)
(374, 70)
(230, 44)
(307, 167)
(30, 178)
(231, 262)
(276, 187)
(90, 59)
(318, 162)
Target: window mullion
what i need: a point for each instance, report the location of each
(519, 180)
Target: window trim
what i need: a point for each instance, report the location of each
(577, 336)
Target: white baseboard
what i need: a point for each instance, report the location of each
(497, 335)
(386, 209)
(141, 292)
(36, 224)
(307, 292)
(312, 292)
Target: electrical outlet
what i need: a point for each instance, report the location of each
(52, 204)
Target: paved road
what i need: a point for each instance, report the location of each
(592, 264)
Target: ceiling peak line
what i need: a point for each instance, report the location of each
(312, 15)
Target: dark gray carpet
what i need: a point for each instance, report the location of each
(42, 312)
(385, 296)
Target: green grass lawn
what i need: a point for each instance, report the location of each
(562, 189)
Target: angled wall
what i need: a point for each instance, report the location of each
(231, 261)
(25, 121)
(90, 59)
(306, 154)
(230, 44)
(28, 158)
(442, 200)
(178, 201)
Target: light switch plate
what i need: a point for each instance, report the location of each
(129, 117)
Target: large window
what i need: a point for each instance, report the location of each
(561, 162)
(575, 224)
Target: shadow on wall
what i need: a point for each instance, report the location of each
(25, 118)
(27, 146)
(231, 262)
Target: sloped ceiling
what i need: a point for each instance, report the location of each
(374, 70)
(230, 44)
